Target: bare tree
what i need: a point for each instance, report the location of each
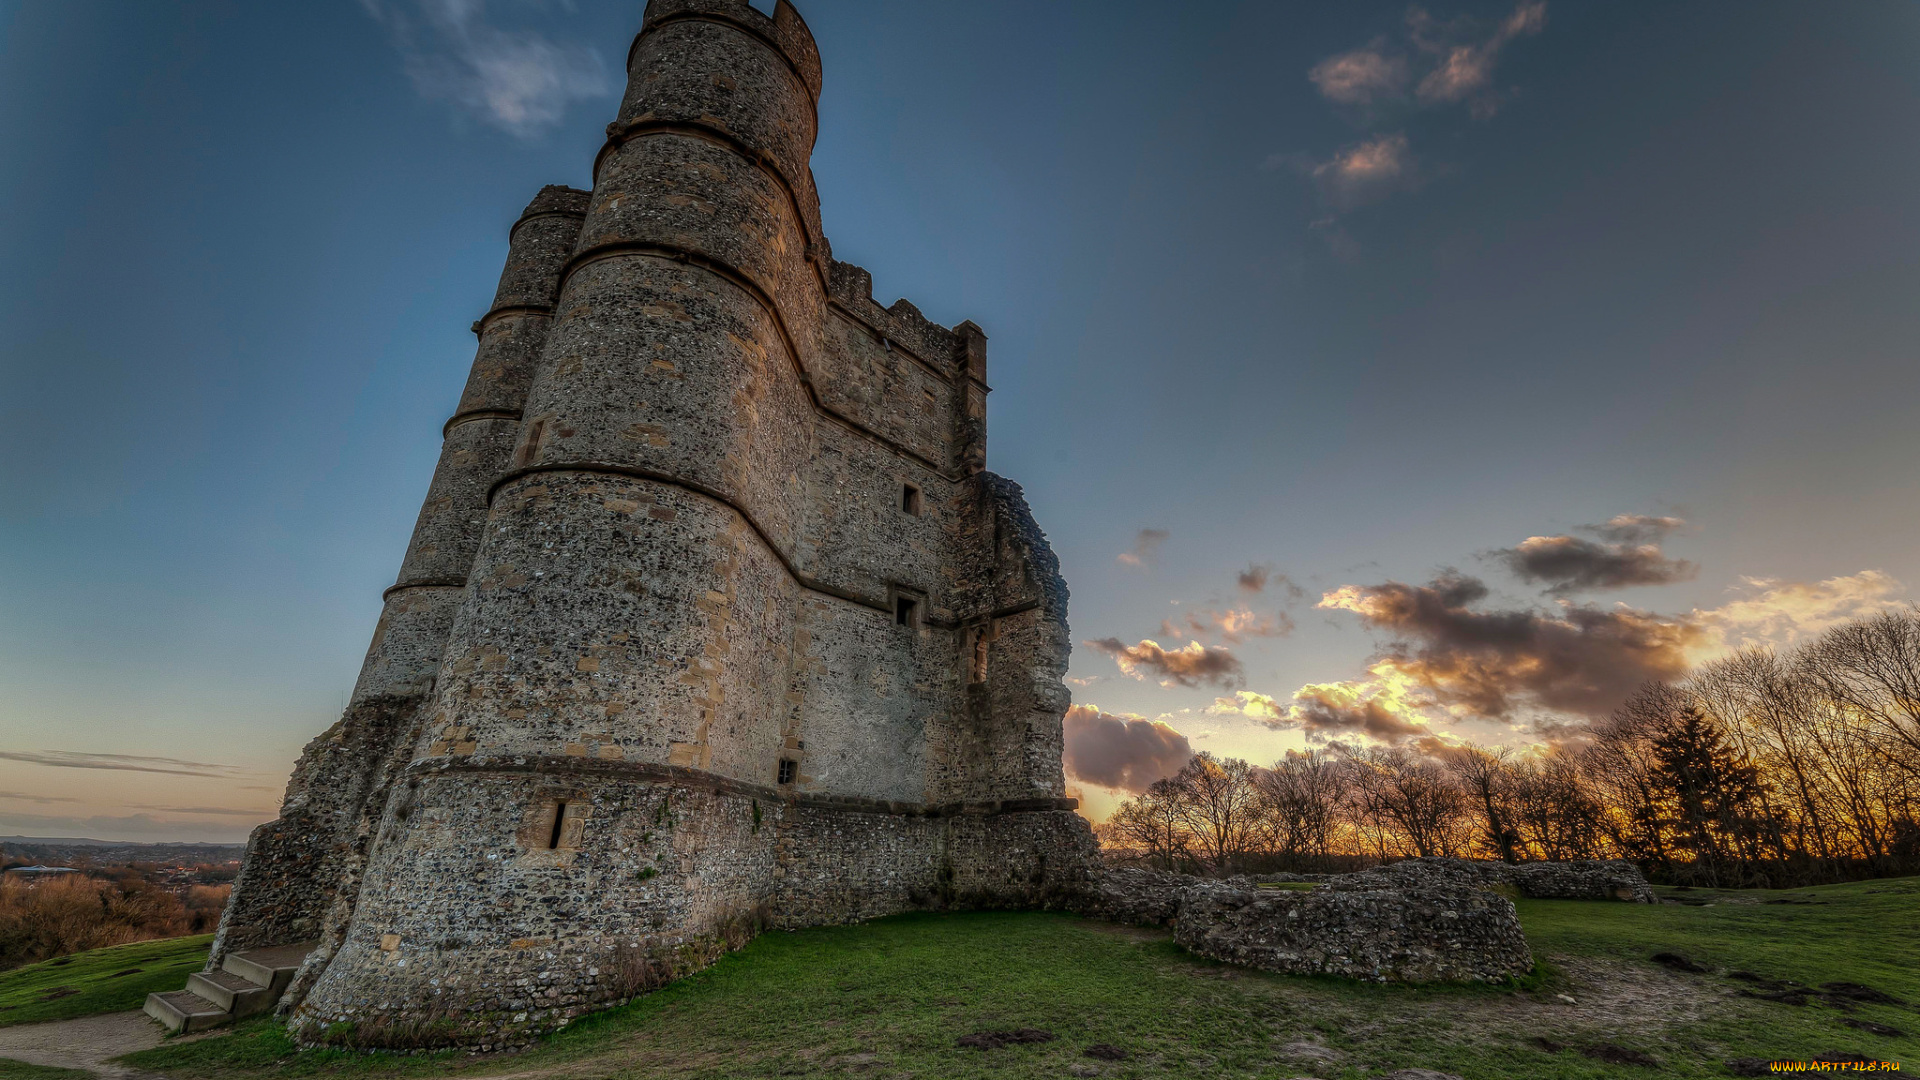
(1151, 826)
(1871, 667)
(1409, 799)
(1299, 805)
(1489, 783)
(1217, 806)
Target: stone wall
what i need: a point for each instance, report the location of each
(733, 628)
(472, 931)
(1361, 932)
(1354, 925)
(1582, 879)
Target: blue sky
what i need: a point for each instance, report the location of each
(1359, 293)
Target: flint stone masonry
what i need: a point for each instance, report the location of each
(641, 688)
(1354, 925)
(1582, 879)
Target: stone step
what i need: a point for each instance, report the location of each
(184, 1010)
(271, 967)
(237, 995)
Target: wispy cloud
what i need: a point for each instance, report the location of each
(1366, 171)
(1194, 665)
(1436, 65)
(1464, 69)
(23, 796)
(1775, 612)
(1361, 77)
(514, 79)
(1234, 625)
(1144, 545)
(67, 759)
(218, 811)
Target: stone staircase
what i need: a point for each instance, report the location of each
(249, 981)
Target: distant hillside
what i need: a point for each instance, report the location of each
(62, 850)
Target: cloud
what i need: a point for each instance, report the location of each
(1578, 659)
(67, 759)
(1464, 70)
(1118, 750)
(1360, 77)
(1234, 625)
(515, 80)
(1366, 171)
(23, 796)
(1144, 545)
(1386, 708)
(1253, 579)
(1193, 665)
(1570, 564)
(1781, 612)
(221, 811)
(1636, 528)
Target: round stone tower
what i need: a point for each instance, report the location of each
(749, 638)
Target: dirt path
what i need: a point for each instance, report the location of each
(86, 1043)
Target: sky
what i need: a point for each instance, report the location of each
(1380, 372)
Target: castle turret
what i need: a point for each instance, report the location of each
(302, 869)
(750, 637)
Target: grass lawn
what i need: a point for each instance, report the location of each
(891, 997)
(104, 980)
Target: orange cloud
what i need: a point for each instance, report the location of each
(1193, 665)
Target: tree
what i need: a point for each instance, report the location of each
(1217, 805)
(1299, 806)
(1489, 783)
(1407, 802)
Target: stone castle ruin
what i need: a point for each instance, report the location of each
(713, 622)
(713, 619)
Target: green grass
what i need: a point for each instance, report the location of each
(889, 998)
(103, 980)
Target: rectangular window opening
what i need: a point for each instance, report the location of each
(559, 824)
(788, 767)
(905, 611)
(910, 499)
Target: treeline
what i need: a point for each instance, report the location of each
(1760, 769)
(53, 916)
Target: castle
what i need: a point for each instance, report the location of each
(712, 620)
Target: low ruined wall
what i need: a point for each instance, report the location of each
(1585, 879)
(1355, 925)
(1380, 934)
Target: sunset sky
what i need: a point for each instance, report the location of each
(1378, 371)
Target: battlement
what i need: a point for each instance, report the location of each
(785, 31)
(851, 287)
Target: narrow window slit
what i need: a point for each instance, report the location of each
(530, 445)
(910, 499)
(559, 824)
